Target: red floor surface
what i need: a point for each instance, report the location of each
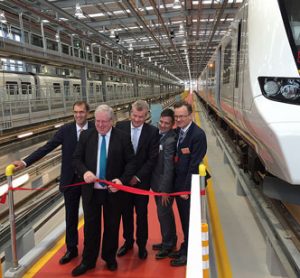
(129, 265)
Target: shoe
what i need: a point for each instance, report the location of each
(112, 266)
(68, 256)
(123, 250)
(181, 261)
(157, 246)
(174, 255)
(163, 253)
(81, 269)
(143, 254)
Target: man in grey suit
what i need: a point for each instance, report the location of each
(162, 181)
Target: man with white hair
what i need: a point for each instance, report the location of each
(104, 153)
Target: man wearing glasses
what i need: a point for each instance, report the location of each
(191, 149)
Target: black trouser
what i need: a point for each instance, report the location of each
(167, 223)
(140, 203)
(184, 213)
(92, 226)
(72, 200)
(112, 217)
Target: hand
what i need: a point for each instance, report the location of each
(112, 188)
(184, 197)
(134, 181)
(89, 177)
(19, 165)
(165, 200)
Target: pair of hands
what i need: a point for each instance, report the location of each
(89, 177)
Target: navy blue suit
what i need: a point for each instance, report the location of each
(190, 154)
(146, 157)
(66, 136)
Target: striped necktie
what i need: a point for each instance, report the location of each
(181, 136)
(102, 163)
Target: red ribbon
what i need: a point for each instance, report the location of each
(124, 188)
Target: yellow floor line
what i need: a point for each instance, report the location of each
(48, 255)
(221, 254)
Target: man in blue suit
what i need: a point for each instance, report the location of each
(191, 149)
(67, 136)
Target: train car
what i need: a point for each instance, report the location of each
(252, 83)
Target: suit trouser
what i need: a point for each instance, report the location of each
(112, 217)
(184, 213)
(72, 200)
(167, 222)
(140, 203)
(92, 209)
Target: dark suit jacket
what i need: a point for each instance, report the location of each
(147, 151)
(188, 163)
(163, 173)
(66, 136)
(120, 158)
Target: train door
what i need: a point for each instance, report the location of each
(67, 89)
(218, 77)
(91, 92)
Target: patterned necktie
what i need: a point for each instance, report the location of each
(181, 136)
(102, 166)
(134, 139)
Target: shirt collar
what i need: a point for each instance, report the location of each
(186, 128)
(138, 128)
(78, 128)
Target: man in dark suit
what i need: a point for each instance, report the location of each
(67, 136)
(105, 153)
(162, 181)
(191, 149)
(145, 141)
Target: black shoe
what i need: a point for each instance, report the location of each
(143, 254)
(123, 250)
(181, 261)
(174, 255)
(81, 269)
(112, 266)
(163, 253)
(68, 256)
(157, 246)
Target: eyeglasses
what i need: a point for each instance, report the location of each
(177, 117)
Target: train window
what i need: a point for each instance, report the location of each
(12, 88)
(65, 49)
(76, 88)
(97, 88)
(238, 56)
(97, 59)
(52, 45)
(227, 63)
(36, 40)
(26, 88)
(56, 88)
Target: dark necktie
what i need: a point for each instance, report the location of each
(102, 166)
(181, 136)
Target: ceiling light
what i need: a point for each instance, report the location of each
(130, 47)
(112, 33)
(176, 4)
(78, 11)
(25, 134)
(142, 54)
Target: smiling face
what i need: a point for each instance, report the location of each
(138, 117)
(165, 124)
(80, 114)
(103, 122)
(182, 117)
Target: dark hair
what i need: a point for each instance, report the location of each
(80, 103)
(184, 103)
(168, 113)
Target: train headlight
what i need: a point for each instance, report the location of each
(281, 89)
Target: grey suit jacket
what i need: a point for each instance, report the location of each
(163, 174)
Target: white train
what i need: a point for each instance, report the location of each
(252, 83)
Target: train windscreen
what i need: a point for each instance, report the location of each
(290, 10)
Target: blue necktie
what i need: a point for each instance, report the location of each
(134, 139)
(102, 166)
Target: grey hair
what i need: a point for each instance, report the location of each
(140, 105)
(105, 108)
